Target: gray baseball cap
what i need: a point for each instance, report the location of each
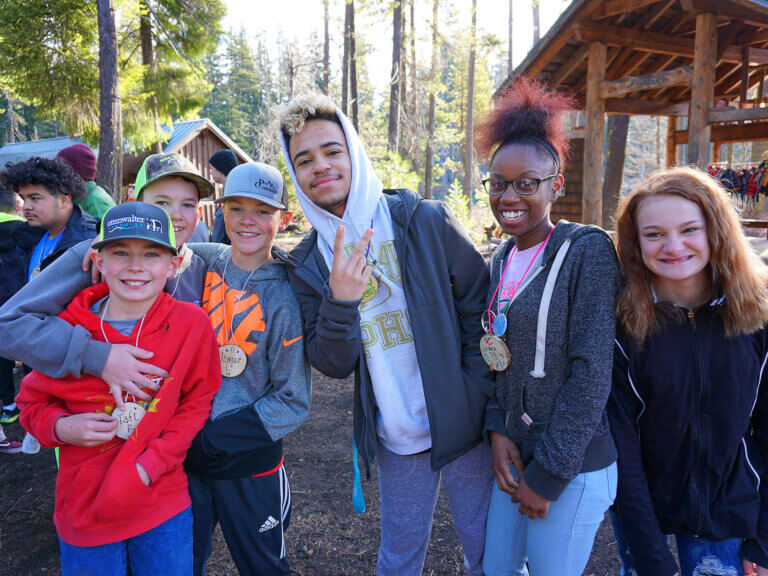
(258, 181)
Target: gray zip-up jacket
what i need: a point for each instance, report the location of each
(445, 280)
(31, 332)
(560, 334)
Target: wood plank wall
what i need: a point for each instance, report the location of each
(569, 207)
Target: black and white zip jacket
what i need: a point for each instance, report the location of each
(690, 420)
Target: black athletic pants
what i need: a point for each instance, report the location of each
(254, 512)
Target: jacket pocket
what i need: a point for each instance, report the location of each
(98, 496)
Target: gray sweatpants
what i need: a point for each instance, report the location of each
(409, 489)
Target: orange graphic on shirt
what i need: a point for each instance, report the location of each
(220, 302)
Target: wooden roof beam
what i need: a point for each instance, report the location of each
(729, 9)
(736, 114)
(674, 77)
(731, 133)
(549, 52)
(638, 106)
(613, 7)
(648, 41)
(576, 60)
(754, 37)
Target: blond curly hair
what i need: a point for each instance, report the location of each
(304, 107)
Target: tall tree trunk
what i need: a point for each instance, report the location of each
(510, 65)
(393, 133)
(403, 78)
(346, 61)
(326, 49)
(413, 105)
(353, 65)
(618, 127)
(110, 162)
(469, 148)
(9, 103)
(429, 153)
(148, 60)
(536, 30)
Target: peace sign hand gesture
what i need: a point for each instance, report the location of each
(349, 276)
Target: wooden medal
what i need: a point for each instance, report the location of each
(370, 290)
(128, 419)
(233, 360)
(495, 352)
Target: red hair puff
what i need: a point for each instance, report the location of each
(527, 109)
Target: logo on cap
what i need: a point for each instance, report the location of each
(267, 185)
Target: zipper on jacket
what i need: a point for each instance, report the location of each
(697, 490)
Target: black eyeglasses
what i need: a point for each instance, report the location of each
(524, 186)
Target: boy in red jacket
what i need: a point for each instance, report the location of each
(121, 491)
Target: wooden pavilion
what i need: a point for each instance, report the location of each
(702, 60)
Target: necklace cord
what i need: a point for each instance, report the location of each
(509, 261)
(231, 332)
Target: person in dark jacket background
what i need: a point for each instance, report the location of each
(401, 309)
(551, 297)
(54, 222)
(221, 163)
(688, 410)
(12, 278)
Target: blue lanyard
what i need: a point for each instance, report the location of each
(367, 250)
(42, 251)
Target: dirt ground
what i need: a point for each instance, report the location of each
(325, 537)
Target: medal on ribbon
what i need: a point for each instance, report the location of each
(128, 419)
(233, 360)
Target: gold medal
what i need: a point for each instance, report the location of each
(495, 352)
(233, 360)
(370, 290)
(128, 419)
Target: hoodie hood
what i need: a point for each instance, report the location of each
(79, 312)
(365, 196)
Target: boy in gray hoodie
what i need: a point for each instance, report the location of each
(235, 465)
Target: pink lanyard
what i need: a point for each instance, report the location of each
(509, 261)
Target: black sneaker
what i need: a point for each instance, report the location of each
(9, 416)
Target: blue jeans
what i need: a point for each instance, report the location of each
(697, 556)
(166, 550)
(558, 544)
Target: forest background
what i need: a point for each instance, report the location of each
(414, 76)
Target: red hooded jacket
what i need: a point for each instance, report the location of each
(99, 496)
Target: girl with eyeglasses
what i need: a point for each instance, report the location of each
(689, 409)
(549, 335)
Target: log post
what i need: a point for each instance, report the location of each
(594, 140)
(703, 90)
(671, 144)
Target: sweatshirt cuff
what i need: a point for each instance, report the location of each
(48, 437)
(94, 357)
(495, 421)
(543, 483)
(754, 551)
(337, 310)
(152, 463)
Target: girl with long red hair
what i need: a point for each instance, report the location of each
(689, 410)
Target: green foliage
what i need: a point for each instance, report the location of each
(395, 172)
(459, 205)
(49, 60)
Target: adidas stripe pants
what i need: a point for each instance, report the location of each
(254, 513)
